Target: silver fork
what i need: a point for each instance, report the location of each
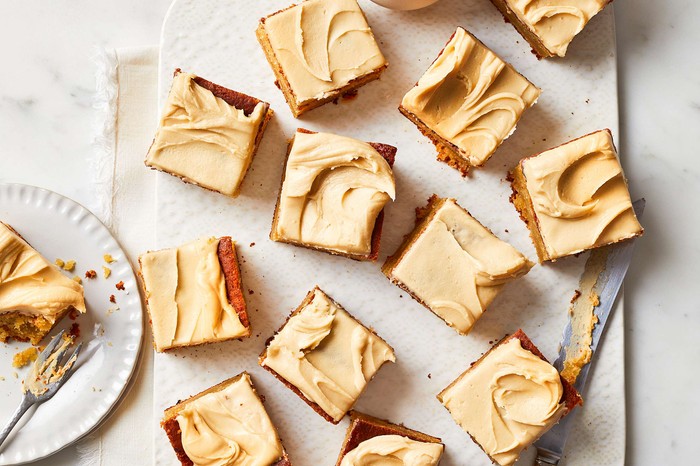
(49, 372)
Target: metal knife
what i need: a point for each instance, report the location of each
(550, 447)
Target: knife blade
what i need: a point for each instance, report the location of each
(615, 261)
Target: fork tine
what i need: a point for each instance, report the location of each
(51, 347)
(69, 366)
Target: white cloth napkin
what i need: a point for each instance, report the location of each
(127, 85)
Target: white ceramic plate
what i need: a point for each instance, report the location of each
(60, 228)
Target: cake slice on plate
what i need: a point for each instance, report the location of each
(224, 425)
(453, 265)
(549, 26)
(320, 50)
(194, 294)
(34, 294)
(208, 134)
(509, 398)
(468, 102)
(325, 355)
(370, 440)
(574, 197)
(333, 194)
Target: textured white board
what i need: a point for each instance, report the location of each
(215, 39)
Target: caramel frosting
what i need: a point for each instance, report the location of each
(203, 139)
(556, 22)
(470, 97)
(229, 427)
(30, 284)
(327, 355)
(393, 450)
(506, 401)
(334, 188)
(456, 266)
(580, 196)
(186, 294)
(322, 45)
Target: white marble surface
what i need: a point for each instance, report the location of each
(45, 133)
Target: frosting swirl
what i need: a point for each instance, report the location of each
(556, 22)
(507, 400)
(327, 355)
(186, 293)
(322, 45)
(393, 450)
(334, 188)
(580, 196)
(229, 427)
(203, 139)
(30, 284)
(470, 97)
(456, 266)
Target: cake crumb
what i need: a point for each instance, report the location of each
(251, 292)
(74, 331)
(90, 274)
(15, 375)
(112, 299)
(73, 314)
(69, 266)
(430, 376)
(77, 279)
(109, 343)
(577, 293)
(120, 285)
(252, 244)
(106, 271)
(108, 258)
(2, 379)
(594, 299)
(24, 358)
(59, 262)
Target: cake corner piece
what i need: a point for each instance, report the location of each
(574, 197)
(350, 229)
(531, 375)
(333, 362)
(458, 140)
(306, 84)
(433, 245)
(368, 436)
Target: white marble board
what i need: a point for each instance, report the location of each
(215, 39)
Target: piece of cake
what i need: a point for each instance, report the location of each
(468, 102)
(194, 294)
(34, 294)
(208, 134)
(574, 197)
(375, 441)
(452, 264)
(508, 398)
(325, 356)
(333, 194)
(549, 26)
(224, 425)
(320, 50)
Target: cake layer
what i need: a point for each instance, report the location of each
(579, 196)
(187, 296)
(393, 450)
(327, 355)
(321, 46)
(470, 98)
(34, 294)
(454, 265)
(333, 191)
(508, 398)
(205, 139)
(554, 23)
